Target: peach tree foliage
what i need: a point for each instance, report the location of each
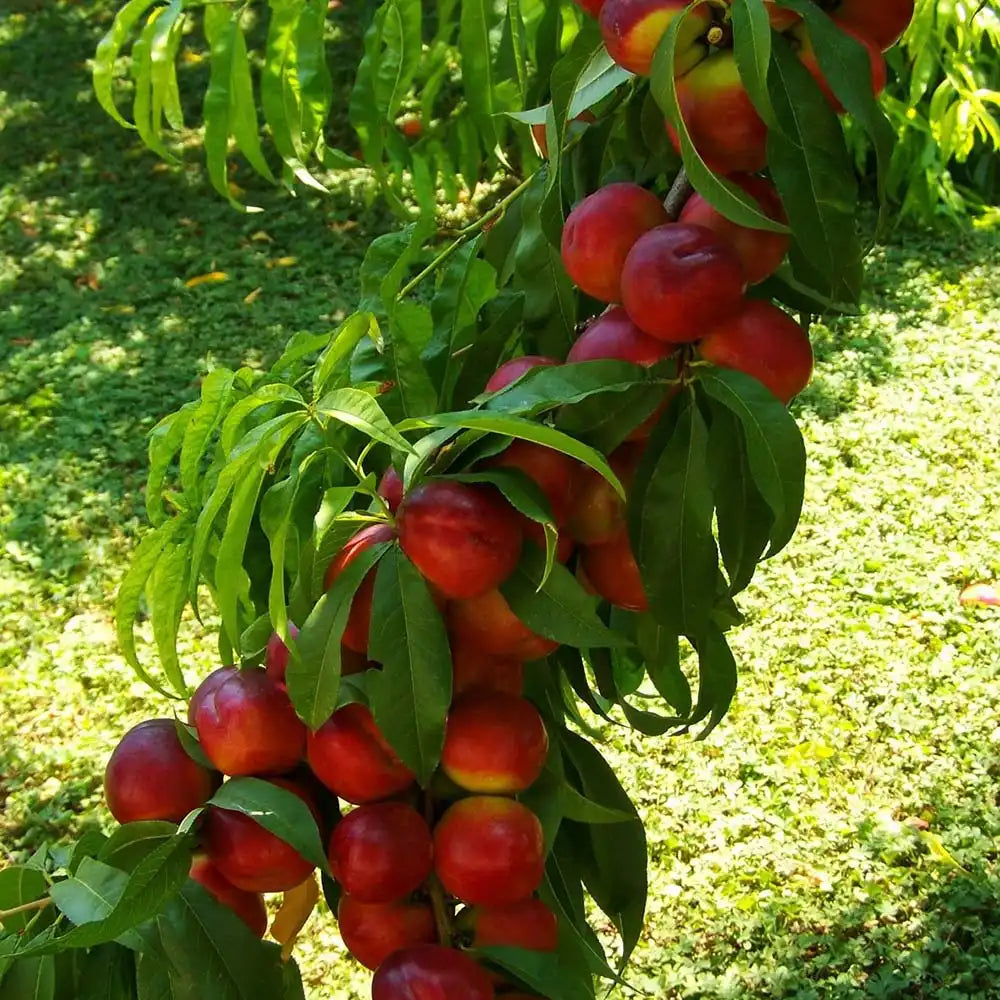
(256, 485)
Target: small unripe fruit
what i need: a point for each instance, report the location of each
(487, 623)
(494, 743)
(247, 726)
(431, 972)
(248, 906)
(511, 371)
(251, 857)
(381, 852)
(374, 931)
(349, 754)
(680, 280)
(464, 539)
(600, 232)
(276, 655)
(489, 851)
(360, 616)
(612, 571)
(150, 776)
(766, 343)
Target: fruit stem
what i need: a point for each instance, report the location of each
(38, 904)
(679, 192)
(463, 236)
(442, 918)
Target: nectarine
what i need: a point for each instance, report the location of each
(487, 623)
(430, 972)
(248, 906)
(374, 931)
(612, 571)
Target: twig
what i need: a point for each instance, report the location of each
(678, 195)
(442, 919)
(38, 904)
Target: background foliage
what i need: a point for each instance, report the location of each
(859, 764)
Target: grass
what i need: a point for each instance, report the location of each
(835, 838)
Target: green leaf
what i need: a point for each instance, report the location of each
(313, 82)
(578, 807)
(410, 697)
(263, 396)
(165, 440)
(20, 884)
(243, 121)
(163, 76)
(717, 678)
(560, 609)
(107, 53)
(478, 83)
(216, 393)
(221, 31)
(166, 593)
(30, 979)
(410, 329)
(670, 522)
(276, 809)
(358, 409)
(556, 975)
(813, 173)
(752, 49)
(775, 451)
(314, 667)
(501, 317)
(142, 74)
(132, 842)
(345, 339)
(522, 429)
(743, 518)
(660, 650)
(106, 973)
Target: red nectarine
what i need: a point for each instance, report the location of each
(374, 931)
(511, 371)
(248, 906)
(632, 29)
(487, 623)
(612, 571)
(430, 972)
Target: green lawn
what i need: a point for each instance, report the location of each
(836, 837)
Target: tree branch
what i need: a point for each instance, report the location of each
(678, 195)
(37, 904)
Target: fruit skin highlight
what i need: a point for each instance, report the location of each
(372, 932)
(150, 776)
(489, 851)
(601, 230)
(431, 972)
(464, 539)
(494, 743)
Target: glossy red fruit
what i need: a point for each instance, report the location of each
(206, 687)
(759, 250)
(474, 670)
(550, 470)
(495, 744)
(612, 571)
(359, 619)
(247, 726)
(601, 230)
(248, 906)
(390, 488)
(882, 22)
(464, 539)
(349, 754)
(374, 931)
(511, 371)
(151, 776)
(632, 29)
(680, 280)
(527, 924)
(807, 54)
(721, 120)
(431, 972)
(251, 857)
(381, 852)
(613, 336)
(276, 655)
(766, 343)
(598, 512)
(489, 851)
(487, 623)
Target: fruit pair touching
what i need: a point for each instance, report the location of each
(716, 108)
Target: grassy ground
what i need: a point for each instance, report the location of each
(836, 837)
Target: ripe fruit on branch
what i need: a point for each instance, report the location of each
(601, 230)
(550, 470)
(464, 539)
(276, 655)
(612, 571)
(807, 55)
(598, 512)
(766, 343)
(251, 857)
(679, 280)
(526, 924)
(489, 851)
(248, 906)
(760, 251)
(494, 743)
(487, 623)
(247, 726)
(349, 754)
(632, 29)
(613, 336)
(359, 619)
(373, 931)
(474, 670)
(151, 776)
(511, 371)
(390, 488)
(592, 7)
(883, 22)
(431, 972)
(206, 687)
(381, 852)
(720, 117)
